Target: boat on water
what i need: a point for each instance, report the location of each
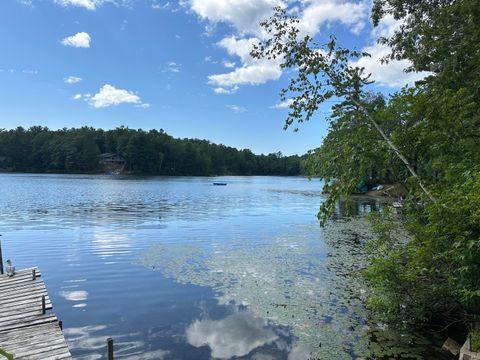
(220, 183)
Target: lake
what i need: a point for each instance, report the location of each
(176, 268)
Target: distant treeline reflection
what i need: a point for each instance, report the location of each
(154, 152)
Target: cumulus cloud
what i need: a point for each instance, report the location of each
(108, 95)
(251, 72)
(239, 47)
(79, 40)
(247, 75)
(244, 15)
(391, 74)
(282, 105)
(235, 335)
(387, 27)
(72, 79)
(353, 14)
(237, 109)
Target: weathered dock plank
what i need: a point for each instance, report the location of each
(26, 330)
(35, 342)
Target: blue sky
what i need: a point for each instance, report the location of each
(180, 66)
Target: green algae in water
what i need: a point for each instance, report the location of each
(302, 278)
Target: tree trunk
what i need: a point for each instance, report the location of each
(396, 151)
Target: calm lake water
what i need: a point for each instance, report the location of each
(176, 268)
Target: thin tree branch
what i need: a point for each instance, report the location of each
(396, 151)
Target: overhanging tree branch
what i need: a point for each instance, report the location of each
(323, 72)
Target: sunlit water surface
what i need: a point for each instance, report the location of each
(176, 268)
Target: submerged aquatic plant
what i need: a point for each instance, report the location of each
(303, 278)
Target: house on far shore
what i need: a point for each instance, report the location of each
(111, 159)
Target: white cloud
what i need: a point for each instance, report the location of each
(79, 40)
(391, 74)
(108, 95)
(221, 90)
(239, 47)
(387, 27)
(30, 71)
(255, 74)
(236, 108)
(72, 79)
(173, 67)
(283, 105)
(251, 72)
(77, 96)
(87, 4)
(229, 64)
(353, 14)
(143, 105)
(156, 6)
(244, 15)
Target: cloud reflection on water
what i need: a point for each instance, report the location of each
(77, 295)
(235, 335)
(242, 334)
(90, 344)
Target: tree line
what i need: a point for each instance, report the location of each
(153, 152)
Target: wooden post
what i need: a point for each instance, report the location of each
(110, 348)
(34, 275)
(1, 259)
(44, 310)
(60, 324)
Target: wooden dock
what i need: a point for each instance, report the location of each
(27, 331)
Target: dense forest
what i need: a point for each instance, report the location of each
(426, 137)
(153, 152)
